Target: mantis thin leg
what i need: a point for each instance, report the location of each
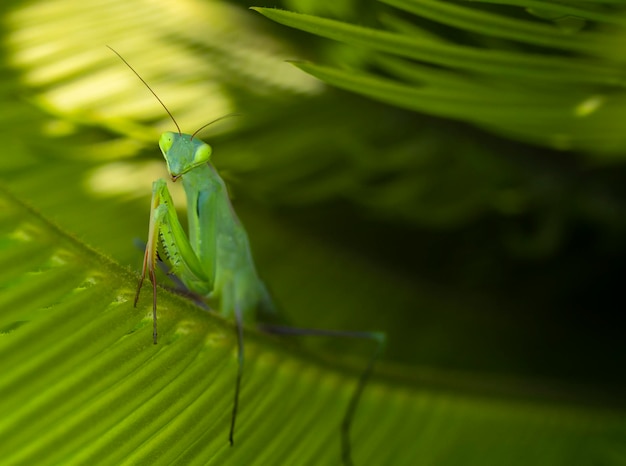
(378, 337)
(240, 357)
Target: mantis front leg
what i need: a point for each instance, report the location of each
(194, 266)
(184, 262)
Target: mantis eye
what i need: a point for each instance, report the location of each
(166, 141)
(202, 154)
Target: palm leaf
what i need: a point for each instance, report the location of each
(83, 383)
(566, 95)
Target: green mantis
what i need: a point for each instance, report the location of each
(214, 259)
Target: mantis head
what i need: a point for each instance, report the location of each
(183, 153)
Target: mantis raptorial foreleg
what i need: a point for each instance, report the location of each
(184, 263)
(165, 229)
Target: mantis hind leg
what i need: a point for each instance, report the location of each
(377, 337)
(240, 361)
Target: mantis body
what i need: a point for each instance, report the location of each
(214, 259)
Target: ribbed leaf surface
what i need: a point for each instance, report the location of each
(82, 383)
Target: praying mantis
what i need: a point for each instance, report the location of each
(214, 259)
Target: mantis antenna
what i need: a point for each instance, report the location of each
(214, 121)
(150, 89)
